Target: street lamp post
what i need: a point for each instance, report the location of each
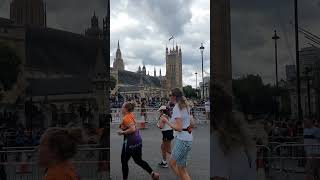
(275, 38)
(196, 79)
(201, 50)
(196, 82)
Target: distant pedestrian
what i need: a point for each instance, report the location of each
(167, 134)
(132, 143)
(143, 111)
(181, 122)
(57, 147)
(207, 109)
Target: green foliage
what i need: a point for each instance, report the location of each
(253, 96)
(113, 82)
(189, 92)
(9, 66)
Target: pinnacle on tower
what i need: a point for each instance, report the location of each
(118, 45)
(144, 71)
(94, 20)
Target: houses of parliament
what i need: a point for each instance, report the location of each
(62, 73)
(143, 85)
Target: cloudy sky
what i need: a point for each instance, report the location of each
(143, 28)
(253, 23)
(69, 15)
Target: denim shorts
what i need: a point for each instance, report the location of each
(180, 151)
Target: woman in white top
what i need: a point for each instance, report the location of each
(167, 134)
(182, 123)
(233, 152)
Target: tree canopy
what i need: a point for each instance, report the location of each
(9, 66)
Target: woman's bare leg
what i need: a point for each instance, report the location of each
(163, 151)
(174, 167)
(183, 173)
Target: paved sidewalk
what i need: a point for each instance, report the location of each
(198, 164)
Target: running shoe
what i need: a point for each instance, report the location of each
(164, 165)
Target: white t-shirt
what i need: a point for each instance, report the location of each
(184, 115)
(233, 166)
(166, 127)
(311, 136)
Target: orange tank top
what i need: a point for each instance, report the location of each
(61, 171)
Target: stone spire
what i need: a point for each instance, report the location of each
(144, 70)
(118, 61)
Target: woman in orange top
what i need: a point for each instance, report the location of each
(132, 143)
(57, 147)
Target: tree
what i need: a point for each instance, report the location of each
(9, 66)
(189, 92)
(113, 82)
(252, 96)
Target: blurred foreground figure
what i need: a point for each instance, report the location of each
(57, 147)
(233, 152)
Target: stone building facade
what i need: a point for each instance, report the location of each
(174, 68)
(63, 74)
(141, 84)
(28, 12)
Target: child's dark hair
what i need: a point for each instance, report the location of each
(129, 106)
(166, 112)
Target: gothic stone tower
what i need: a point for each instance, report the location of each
(118, 61)
(100, 87)
(222, 71)
(94, 31)
(28, 12)
(174, 68)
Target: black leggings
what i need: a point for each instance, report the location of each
(136, 154)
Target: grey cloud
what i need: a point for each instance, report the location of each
(70, 15)
(4, 8)
(169, 16)
(253, 23)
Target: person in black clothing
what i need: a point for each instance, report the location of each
(132, 143)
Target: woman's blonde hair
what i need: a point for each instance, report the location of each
(181, 100)
(230, 127)
(64, 141)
